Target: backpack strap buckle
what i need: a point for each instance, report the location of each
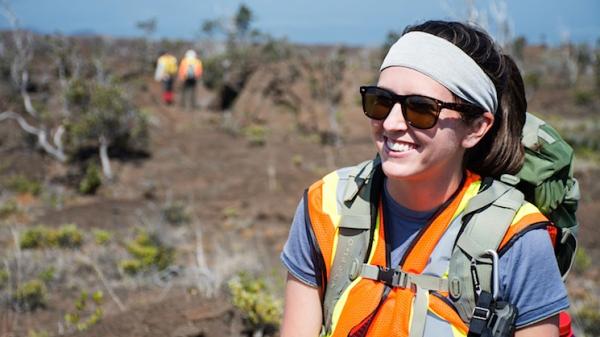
(393, 277)
(481, 313)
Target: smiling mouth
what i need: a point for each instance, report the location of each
(399, 147)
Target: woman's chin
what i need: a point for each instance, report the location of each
(395, 170)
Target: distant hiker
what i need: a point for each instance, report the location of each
(190, 70)
(431, 237)
(166, 70)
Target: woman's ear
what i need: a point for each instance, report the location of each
(477, 129)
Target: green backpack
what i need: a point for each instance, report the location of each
(546, 180)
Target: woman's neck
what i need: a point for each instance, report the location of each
(424, 193)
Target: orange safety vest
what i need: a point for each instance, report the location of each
(369, 307)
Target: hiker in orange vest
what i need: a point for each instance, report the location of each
(448, 110)
(190, 71)
(166, 70)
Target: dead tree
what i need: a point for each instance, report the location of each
(49, 141)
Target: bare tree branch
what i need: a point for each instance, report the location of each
(55, 151)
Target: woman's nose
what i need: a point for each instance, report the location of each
(395, 120)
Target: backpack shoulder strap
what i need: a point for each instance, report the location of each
(486, 219)
(357, 212)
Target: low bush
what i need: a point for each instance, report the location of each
(47, 275)
(255, 300)
(583, 97)
(582, 260)
(22, 184)
(149, 253)
(67, 236)
(34, 237)
(3, 277)
(102, 236)
(81, 318)
(8, 208)
(30, 296)
(589, 318)
(91, 181)
(175, 213)
(256, 134)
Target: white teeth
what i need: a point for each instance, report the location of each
(399, 147)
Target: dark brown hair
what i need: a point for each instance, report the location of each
(500, 151)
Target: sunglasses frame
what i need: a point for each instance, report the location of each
(465, 109)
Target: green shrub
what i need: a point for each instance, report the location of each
(252, 296)
(38, 333)
(47, 275)
(533, 80)
(78, 318)
(91, 180)
(175, 213)
(34, 238)
(589, 318)
(30, 295)
(22, 184)
(256, 134)
(102, 236)
(3, 277)
(214, 71)
(68, 236)
(148, 252)
(297, 159)
(104, 111)
(130, 266)
(583, 97)
(230, 212)
(582, 260)
(8, 208)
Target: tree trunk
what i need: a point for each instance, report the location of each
(106, 170)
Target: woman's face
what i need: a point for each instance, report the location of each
(414, 154)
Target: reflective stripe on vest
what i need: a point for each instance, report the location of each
(359, 312)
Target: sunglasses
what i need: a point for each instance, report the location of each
(420, 112)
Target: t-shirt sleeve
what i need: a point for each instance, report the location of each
(530, 279)
(297, 252)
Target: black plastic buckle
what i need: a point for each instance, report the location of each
(481, 313)
(392, 277)
(386, 275)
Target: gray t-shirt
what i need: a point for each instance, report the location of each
(529, 276)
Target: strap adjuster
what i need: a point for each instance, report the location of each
(481, 313)
(393, 277)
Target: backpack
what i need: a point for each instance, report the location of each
(546, 180)
(190, 72)
(171, 65)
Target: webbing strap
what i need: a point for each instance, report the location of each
(353, 235)
(493, 210)
(400, 279)
(420, 307)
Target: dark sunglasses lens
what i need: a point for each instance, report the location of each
(421, 112)
(376, 104)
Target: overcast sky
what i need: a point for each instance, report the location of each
(305, 21)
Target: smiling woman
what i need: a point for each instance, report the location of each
(374, 250)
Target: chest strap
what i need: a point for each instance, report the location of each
(397, 278)
(422, 284)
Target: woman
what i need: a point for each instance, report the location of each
(448, 109)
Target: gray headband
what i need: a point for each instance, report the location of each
(447, 64)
